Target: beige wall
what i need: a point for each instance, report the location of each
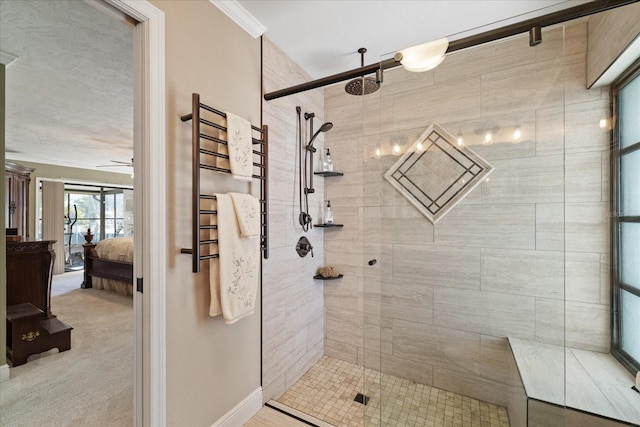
(609, 35)
(211, 366)
(293, 303)
(520, 251)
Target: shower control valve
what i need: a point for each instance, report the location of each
(303, 247)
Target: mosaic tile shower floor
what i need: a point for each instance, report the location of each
(326, 391)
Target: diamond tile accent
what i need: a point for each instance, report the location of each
(435, 173)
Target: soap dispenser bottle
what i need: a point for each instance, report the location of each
(328, 215)
(327, 165)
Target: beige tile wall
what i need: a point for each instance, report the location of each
(437, 306)
(293, 303)
(609, 35)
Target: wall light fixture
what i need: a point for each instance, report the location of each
(423, 57)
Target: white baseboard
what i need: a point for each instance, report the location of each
(243, 411)
(4, 373)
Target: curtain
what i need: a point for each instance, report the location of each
(128, 212)
(53, 220)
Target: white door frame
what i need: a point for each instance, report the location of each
(150, 211)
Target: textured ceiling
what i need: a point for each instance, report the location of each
(69, 95)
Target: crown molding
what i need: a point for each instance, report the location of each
(6, 58)
(240, 16)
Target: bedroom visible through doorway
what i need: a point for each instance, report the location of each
(105, 209)
(71, 119)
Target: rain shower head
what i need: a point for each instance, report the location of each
(324, 128)
(362, 85)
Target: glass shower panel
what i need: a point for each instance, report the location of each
(351, 321)
(373, 260)
(629, 123)
(630, 183)
(630, 253)
(631, 316)
(465, 214)
(369, 285)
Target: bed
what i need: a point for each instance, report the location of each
(109, 264)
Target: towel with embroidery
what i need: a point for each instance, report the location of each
(233, 276)
(239, 147)
(247, 210)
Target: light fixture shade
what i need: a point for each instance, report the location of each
(424, 57)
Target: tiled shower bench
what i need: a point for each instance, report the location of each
(598, 389)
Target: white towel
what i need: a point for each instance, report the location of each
(240, 147)
(234, 276)
(248, 213)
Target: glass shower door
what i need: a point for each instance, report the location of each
(464, 204)
(349, 331)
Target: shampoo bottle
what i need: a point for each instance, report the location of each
(327, 166)
(328, 215)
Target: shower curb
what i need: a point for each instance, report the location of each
(298, 415)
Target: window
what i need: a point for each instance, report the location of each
(101, 211)
(626, 221)
(108, 211)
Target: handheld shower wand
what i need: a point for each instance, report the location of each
(324, 128)
(306, 171)
(310, 148)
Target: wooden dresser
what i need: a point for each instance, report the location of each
(31, 326)
(17, 179)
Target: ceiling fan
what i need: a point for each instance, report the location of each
(117, 163)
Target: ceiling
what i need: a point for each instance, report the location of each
(323, 36)
(69, 93)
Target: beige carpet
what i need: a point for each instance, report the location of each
(89, 385)
(69, 281)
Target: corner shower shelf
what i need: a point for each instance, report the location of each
(319, 277)
(329, 173)
(329, 225)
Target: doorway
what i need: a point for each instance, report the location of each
(149, 151)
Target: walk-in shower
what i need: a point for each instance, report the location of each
(491, 298)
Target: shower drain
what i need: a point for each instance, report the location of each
(361, 398)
